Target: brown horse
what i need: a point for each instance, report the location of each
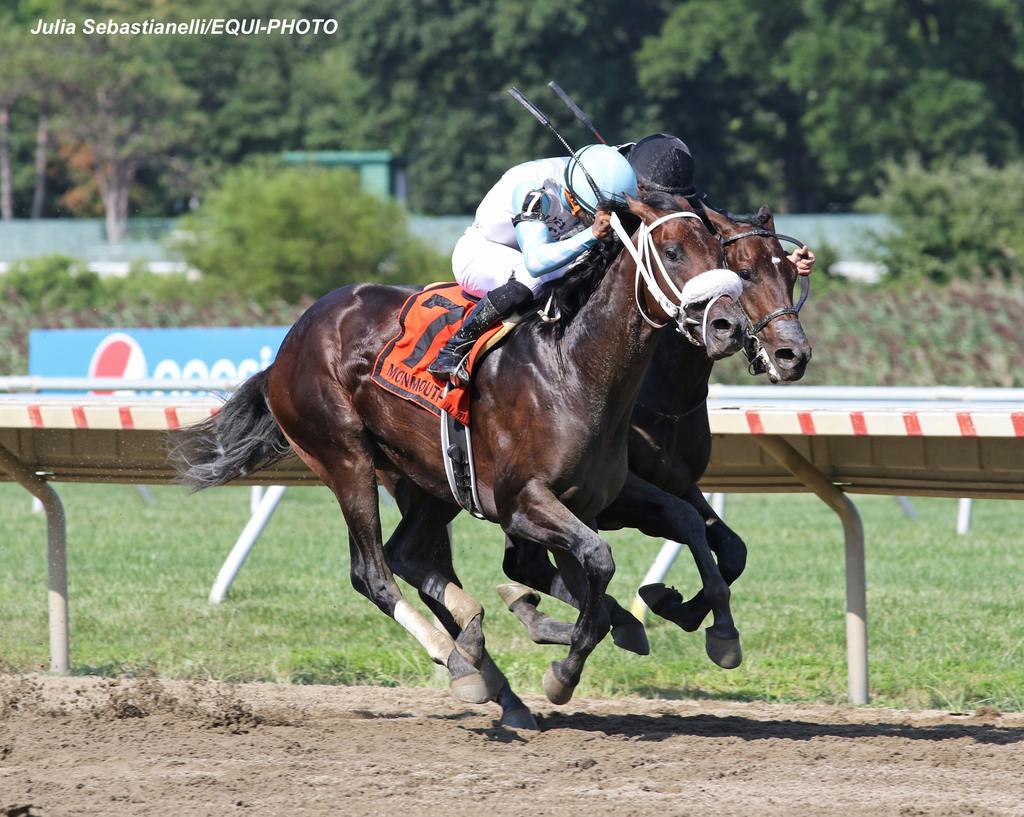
(669, 449)
(551, 415)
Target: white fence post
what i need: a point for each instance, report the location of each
(963, 516)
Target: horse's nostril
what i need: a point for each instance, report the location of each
(785, 355)
(722, 326)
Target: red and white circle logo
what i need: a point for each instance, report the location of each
(118, 355)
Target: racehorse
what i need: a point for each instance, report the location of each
(551, 417)
(669, 450)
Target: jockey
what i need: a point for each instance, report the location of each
(664, 162)
(531, 226)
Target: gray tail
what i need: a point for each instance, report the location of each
(241, 438)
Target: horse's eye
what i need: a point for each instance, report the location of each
(672, 254)
(747, 274)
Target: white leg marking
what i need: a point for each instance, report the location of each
(438, 644)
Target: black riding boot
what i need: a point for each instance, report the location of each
(497, 304)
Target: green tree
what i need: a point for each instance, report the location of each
(269, 232)
(887, 78)
(960, 219)
(714, 75)
(125, 103)
(436, 75)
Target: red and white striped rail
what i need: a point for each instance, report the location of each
(162, 414)
(890, 421)
(105, 413)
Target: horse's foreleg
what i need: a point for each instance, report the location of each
(729, 548)
(658, 513)
(585, 562)
(527, 564)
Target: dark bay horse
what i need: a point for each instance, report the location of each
(669, 449)
(552, 421)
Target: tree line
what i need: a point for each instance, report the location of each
(804, 104)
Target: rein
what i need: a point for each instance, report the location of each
(757, 357)
(805, 280)
(709, 285)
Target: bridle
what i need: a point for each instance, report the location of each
(758, 359)
(709, 285)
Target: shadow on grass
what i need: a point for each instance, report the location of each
(663, 727)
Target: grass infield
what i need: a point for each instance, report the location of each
(946, 612)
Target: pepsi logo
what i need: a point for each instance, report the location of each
(118, 355)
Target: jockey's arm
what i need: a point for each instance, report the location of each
(541, 254)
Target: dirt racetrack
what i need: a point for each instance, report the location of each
(77, 746)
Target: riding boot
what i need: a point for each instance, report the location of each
(497, 304)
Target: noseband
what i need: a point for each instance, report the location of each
(709, 285)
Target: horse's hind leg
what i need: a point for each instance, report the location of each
(418, 548)
(432, 541)
(350, 475)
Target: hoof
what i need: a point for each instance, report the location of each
(632, 637)
(558, 691)
(519, 719)
(471, 689)
(513, 592)
(726, 652)
(656, 595)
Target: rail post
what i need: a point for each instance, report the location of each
(56, 555)
(856, 581)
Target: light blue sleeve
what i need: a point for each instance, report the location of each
(541, 254)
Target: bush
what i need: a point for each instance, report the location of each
(52, 280)
(963, 334)
(270, 231)
(959, 220)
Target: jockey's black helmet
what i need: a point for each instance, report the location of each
(663, 162)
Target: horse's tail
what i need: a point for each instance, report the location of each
(240, 438)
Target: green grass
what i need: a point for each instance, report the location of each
(946, 613)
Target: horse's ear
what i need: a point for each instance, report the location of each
(684, 204)
(640, 210)
(722, 223)
(764, 218)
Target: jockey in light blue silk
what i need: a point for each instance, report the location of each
(538, 219)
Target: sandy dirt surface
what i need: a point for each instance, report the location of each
(77, 746)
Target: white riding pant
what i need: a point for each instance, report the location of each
(480, 265)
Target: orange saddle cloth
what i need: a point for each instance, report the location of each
(425, 323)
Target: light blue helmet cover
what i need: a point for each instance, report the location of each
(608, 168)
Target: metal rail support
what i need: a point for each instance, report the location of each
(856, 582)
(963, 516)
(56, 555)
(250, 533)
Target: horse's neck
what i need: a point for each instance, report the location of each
(678, 377)
(609, 342)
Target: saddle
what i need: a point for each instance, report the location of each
(427, 319)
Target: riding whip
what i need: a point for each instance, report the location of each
(520, 97)
(577, 111)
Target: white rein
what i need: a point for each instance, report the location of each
(709, 285)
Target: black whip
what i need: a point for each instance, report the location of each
(577, 111)
(520, 97)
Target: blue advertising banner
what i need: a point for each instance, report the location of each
(192, 353)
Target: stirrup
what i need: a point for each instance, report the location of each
(550, 313)
(460, 375)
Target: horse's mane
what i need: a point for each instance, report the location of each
(574, 289)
